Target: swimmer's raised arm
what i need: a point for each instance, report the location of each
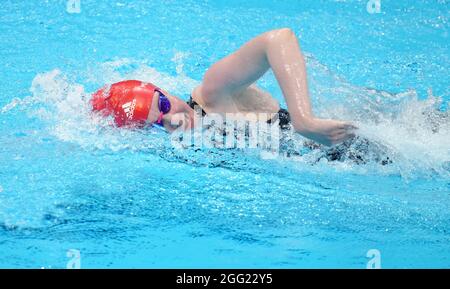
(279, 50)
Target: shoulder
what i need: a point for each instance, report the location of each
(197, 95)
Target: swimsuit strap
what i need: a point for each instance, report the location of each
(192, 103)
(282, 115)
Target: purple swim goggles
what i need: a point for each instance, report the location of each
(163, 106)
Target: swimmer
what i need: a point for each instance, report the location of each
(228, 86)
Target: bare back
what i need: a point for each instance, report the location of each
(252, 99)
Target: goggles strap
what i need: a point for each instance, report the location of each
(160, 118)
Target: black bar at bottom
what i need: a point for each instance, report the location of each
(215, 278)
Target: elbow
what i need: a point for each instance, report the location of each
(281, 34)
(286, 32)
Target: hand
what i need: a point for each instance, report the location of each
(327, 131)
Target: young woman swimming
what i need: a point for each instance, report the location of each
(228, 86)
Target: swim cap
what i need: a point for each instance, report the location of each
(129, 101)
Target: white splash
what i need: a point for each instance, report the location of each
(412, 132)
(415, 132)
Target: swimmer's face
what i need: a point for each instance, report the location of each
(180, 115)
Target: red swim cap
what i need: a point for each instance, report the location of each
(129, 101)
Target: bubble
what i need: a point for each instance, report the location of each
(411, 131)
(399, 133)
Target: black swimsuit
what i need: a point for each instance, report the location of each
(282, 115)
(355, 150)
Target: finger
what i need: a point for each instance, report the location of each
(347, 126)
(350, 126)
(341, 137)
(342, 131)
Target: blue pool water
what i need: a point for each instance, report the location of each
(127, 199)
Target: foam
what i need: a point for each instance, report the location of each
(413, 133)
